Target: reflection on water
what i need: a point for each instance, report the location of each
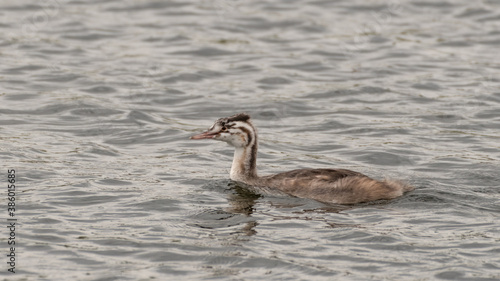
(97, 100)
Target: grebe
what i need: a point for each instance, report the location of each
(338, 186)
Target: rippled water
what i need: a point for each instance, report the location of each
(98, 99)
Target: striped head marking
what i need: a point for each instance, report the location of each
(236, 130)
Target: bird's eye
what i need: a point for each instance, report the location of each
(223, 129)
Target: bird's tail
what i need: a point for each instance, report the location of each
(399, 185)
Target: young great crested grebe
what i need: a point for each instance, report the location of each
(338, 186)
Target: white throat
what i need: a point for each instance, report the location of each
(244, 167)
(240, 165)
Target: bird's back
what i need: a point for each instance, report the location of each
(334, 185)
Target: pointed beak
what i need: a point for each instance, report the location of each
(204, 135)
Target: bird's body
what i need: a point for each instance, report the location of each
(326, 185)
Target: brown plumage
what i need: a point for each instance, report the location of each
(326, 185)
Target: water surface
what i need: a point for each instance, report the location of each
(98, 99)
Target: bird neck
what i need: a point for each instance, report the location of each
(244, 167)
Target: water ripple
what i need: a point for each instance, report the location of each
(98, 100)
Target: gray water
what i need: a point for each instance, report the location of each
(98, 99)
